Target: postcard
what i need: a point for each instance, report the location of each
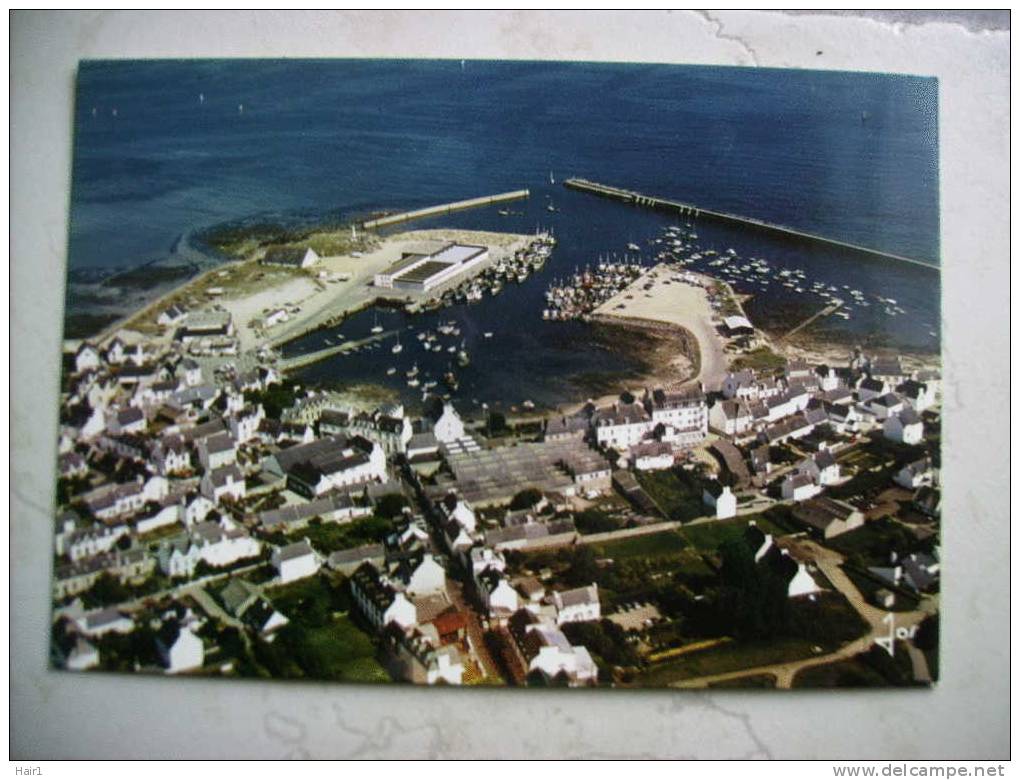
(491, 373)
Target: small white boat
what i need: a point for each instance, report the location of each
(398, 347)
(377, 328)
(488, 334)
(391, 371)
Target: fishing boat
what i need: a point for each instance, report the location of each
(413, 372)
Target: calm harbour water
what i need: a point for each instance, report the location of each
(164, 150)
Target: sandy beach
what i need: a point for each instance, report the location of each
(668, 300)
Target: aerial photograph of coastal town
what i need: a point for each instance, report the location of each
(481, 373)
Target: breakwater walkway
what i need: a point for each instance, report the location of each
(445, 208)
(687, 209)
(300, 361)
(825, 312)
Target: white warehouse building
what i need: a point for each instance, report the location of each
(422, 272)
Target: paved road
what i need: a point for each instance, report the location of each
(828, 562)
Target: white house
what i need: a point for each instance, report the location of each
(216, 451)
(578, 604)
(651, 455)
(170, 455)
(444, 664)
(621, 426)
(500, 598)
(427, 577)
(449, 427)
(167, 515)
(731, 417)
(296, 561)
(327, 464)
(172, 315)
(682, 413)
(739, 384)
(190, 371)
(453, 507)
(83, 655)
(380, 602)
(226, 482)
(822, 468)
(885, 405)
(87, 358)
(196, 509)
(276, 316)
(244, 426)
(869, 388)
(547, 650)
(216, 544)
(291, 257)
(799, 487)
(916, 474)
(180, 649)
(802, 584)
(920, 395)
(721, 499)
(905, 427)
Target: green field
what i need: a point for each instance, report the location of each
(874, 668)
(663, 544)
(335, 650)
(723, 659)
(677, 493)
(708, 536)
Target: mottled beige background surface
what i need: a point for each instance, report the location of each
(57, 715)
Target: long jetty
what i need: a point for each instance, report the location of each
(687, 209)
(307, 359)
(445, 208)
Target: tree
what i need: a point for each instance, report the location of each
(526, 499)
(593, 521)
(390, 505)
(496, 423)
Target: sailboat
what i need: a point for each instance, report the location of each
(397, 348)
(377, 328)
(552, 180)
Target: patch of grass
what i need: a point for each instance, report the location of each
(656, 545)
(873, 542)
(760, 359)
(723, 659)
(338, 650)
(708, 536)
(678, 493)
(329, 537)
(872, 669)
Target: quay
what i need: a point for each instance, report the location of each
(687, 209)
(300, 361)
(445, 208)
(825, 312)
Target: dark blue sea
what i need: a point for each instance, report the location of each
(846, 155)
